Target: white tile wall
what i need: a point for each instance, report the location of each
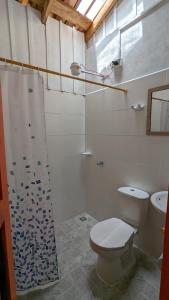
(64, 103)
(65, 125)
(68, 186)
(116, 135)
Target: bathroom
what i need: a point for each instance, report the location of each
(99, 135)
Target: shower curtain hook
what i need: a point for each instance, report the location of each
(6, 64)
(38, 70)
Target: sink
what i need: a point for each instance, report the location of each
(159, 201)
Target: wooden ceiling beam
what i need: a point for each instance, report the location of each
(108, 5)
(37, 4)
(47, 9)
(66, 12)
(71, 2)
(24, 2)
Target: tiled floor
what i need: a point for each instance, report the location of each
(78, 277)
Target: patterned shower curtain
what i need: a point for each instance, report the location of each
(34, 248)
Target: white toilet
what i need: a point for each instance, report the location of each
(112, 239)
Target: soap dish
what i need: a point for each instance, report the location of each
(87, 154)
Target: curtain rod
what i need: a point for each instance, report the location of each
(32, 67)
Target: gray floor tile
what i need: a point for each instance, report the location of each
(79, 280)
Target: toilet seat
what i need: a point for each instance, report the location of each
(111, 234)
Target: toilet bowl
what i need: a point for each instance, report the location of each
(112, 240)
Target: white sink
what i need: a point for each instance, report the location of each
(159, 201)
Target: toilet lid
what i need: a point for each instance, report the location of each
(112, 233)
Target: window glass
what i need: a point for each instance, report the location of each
(95, 9)
(126, 12)
(110, 22)
(144, 4)
(83, 6)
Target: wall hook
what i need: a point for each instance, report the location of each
(137, 107)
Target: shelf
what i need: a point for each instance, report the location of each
(87, 154)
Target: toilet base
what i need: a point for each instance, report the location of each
(112, 270)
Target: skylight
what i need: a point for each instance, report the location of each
(90, 8)
(95, 9)
(84, 5)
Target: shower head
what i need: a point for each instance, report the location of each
(77, 69)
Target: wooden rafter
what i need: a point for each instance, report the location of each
(99, 18)
(71, 2)
(47, 9)
(65, 12)
(37, 4)
(24, 2)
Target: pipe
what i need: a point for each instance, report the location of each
(92, 73)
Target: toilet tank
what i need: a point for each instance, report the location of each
(135, 205)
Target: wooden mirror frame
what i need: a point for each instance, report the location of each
(149, 108)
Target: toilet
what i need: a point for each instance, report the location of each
(113, 239)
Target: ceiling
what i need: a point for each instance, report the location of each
(84, 15)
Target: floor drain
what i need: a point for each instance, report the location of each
(83, 219)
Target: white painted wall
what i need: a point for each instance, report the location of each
(23, 37)
(114, 132)
(144, 41)
(116, 135)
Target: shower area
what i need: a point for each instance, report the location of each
(52, 255)
(44, 126)
(57, 140)
(29, 188)
(33, 155)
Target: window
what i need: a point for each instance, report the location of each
(95, 9)
(84, 6)
(90, 8)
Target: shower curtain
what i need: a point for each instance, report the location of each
(35, 257)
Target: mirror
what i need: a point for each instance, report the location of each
(158, 111)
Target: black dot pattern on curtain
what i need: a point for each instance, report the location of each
(34, 247)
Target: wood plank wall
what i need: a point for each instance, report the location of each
(23, 37)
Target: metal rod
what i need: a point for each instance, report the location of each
(32, 67)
